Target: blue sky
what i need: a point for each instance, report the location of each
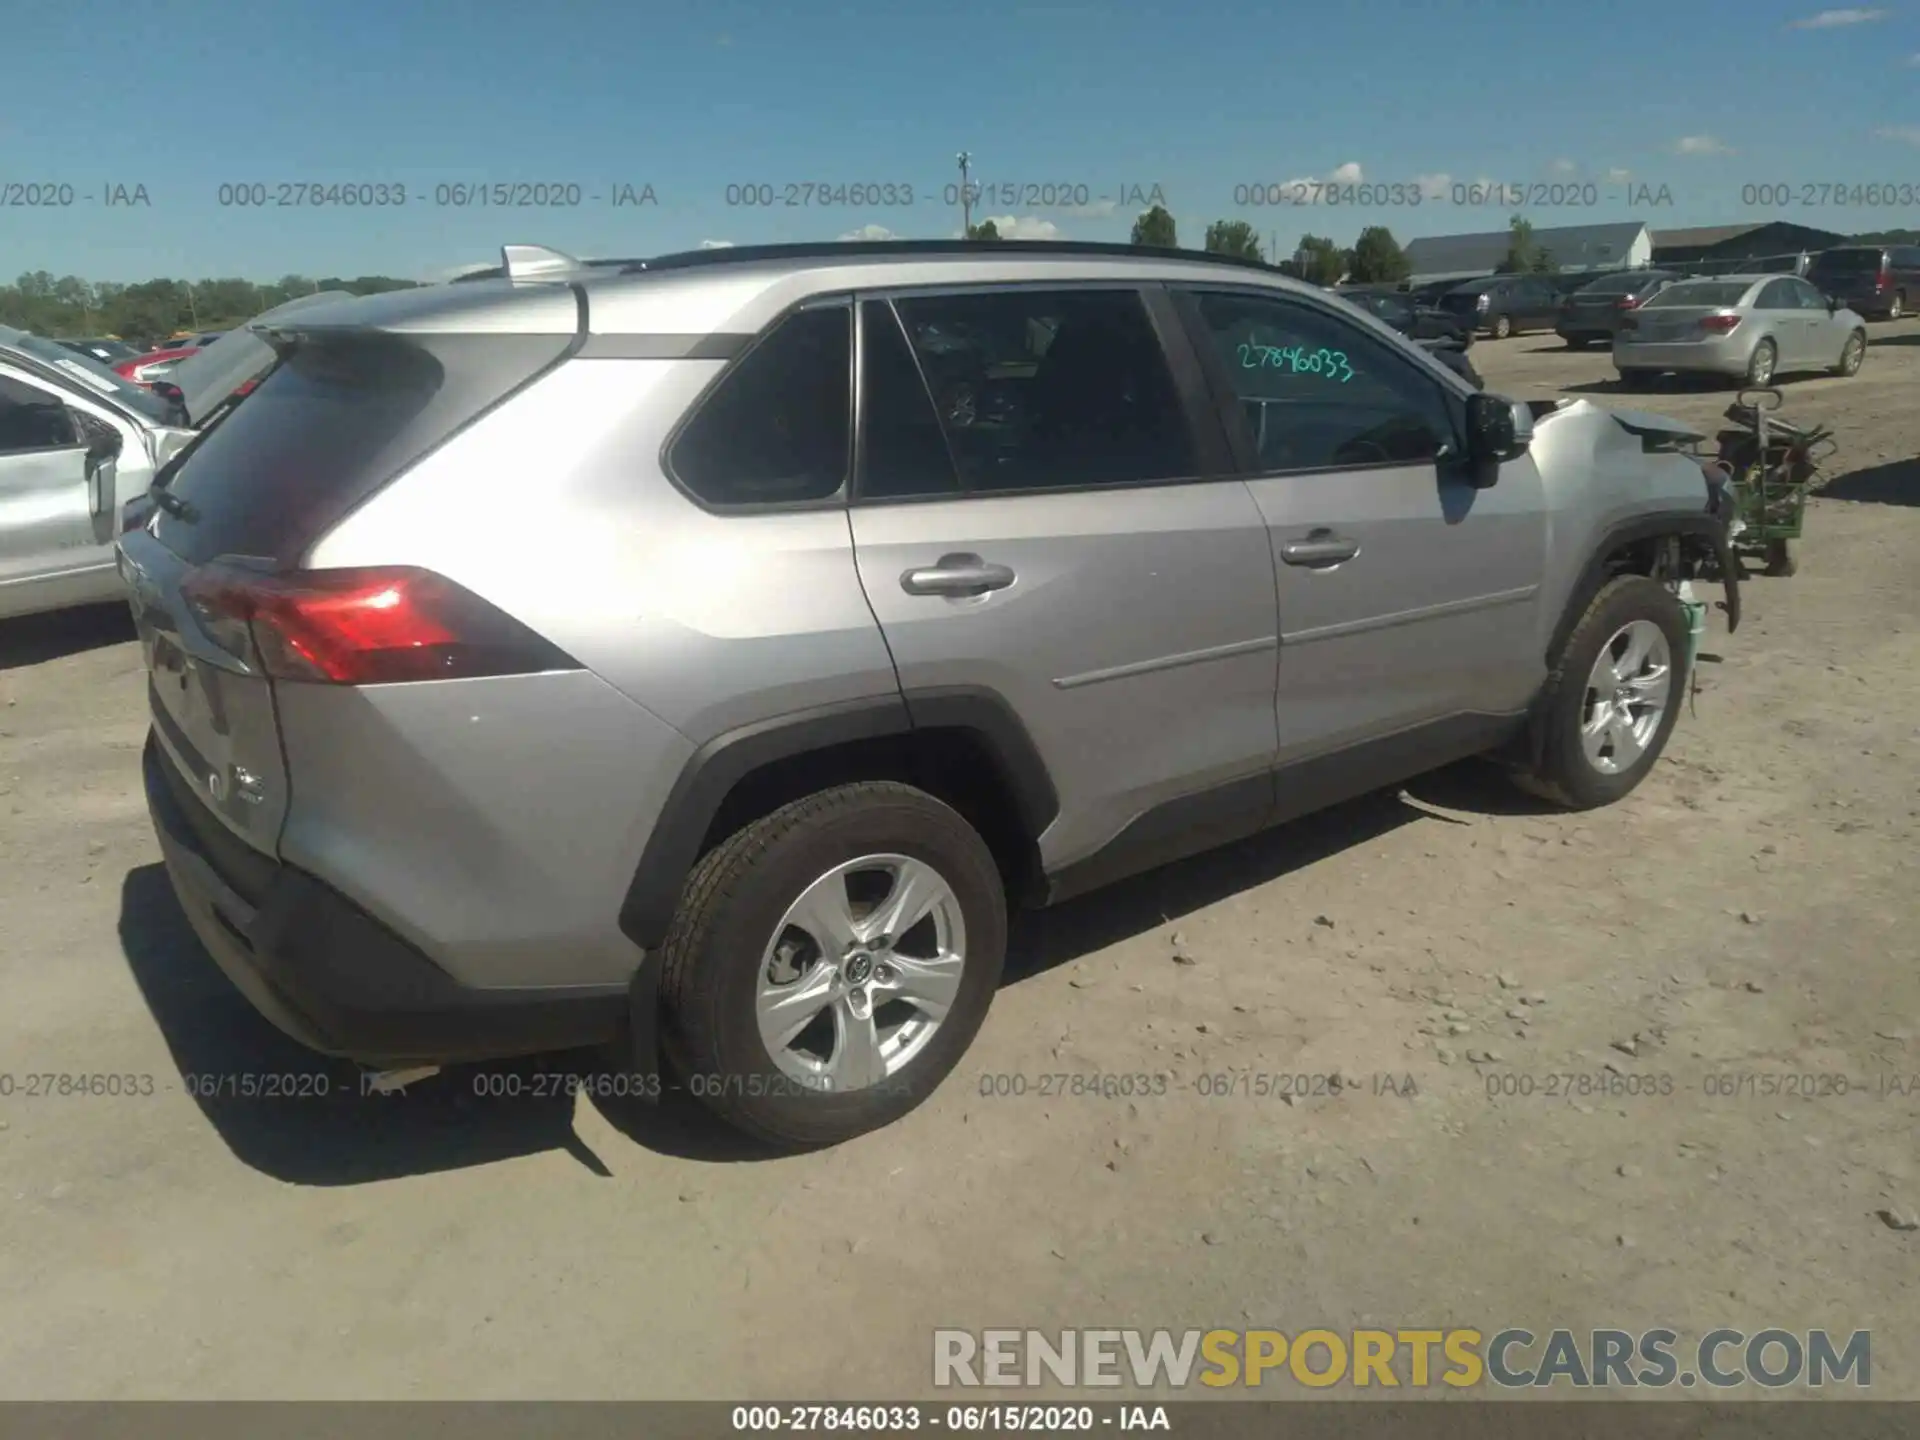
(1702, 97)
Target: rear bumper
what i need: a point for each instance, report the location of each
(334, 978)
(1712, 357)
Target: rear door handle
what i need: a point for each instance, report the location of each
(1321, 547)
(957, 575)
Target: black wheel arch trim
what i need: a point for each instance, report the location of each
(724, 761)
(1700, 529)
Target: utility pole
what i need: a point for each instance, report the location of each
(966, 196)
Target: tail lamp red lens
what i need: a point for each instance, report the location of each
(363, 626)
(1719, 324)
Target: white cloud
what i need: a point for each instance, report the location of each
(1619, 174)
(1831, 19)
(1098, 210)
(1908, 133)
(1563, 166)
(1701, 145)
(1433, 187)
(716, 244)
(1347, 174)
(870, 232)
(1026, 227)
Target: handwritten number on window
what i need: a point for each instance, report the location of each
(1297, 360)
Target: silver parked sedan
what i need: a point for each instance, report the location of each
(1752, 327)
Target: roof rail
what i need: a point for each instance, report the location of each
(976, 249)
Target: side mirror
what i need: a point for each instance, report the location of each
(1498, 430)
(1833, 304)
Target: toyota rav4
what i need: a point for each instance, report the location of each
(702, 655)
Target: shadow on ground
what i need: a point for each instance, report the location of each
(35, 639)
(1895, 483)
(320, 1127)
(330, 1131)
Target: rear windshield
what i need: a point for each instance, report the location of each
(335, 422)
(1713, 293)
(1616, 285)
(1847, 262)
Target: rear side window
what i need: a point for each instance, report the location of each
(903, 451)
(1047, 390)
(775, 430)
(340, 417)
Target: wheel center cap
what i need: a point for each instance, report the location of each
(859, 967)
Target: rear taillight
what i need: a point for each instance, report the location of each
(1884, 280)
(1719, 324)
(1627, 302)
(363, 626)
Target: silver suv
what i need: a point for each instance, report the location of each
(701, 654)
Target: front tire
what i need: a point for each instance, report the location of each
(1636, 379)
(1613, 697)
(1502, 327)
(831, 962)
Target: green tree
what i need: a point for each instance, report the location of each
(1378, 258)
(1544, 263)
(985, 230)
(1322, 260)
(1156, 227)
(1523, 250)
(1233, 237)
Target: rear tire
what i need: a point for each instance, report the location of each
(1897, 307)
(733, 941)
(1502, 327)
(1578, 342)
(1625, 611)
(1761, 364)
(1782, 562)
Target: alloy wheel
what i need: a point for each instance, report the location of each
(1628, 691)
(860, 972)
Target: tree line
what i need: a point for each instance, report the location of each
(152, 310)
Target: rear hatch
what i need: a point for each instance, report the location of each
(1848, 274)
(224, 612)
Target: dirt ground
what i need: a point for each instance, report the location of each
(1750, 911)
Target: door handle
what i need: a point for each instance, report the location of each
(1321, 547)
(957, 575)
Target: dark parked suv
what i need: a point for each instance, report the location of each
(1505, 305)
(1881, 282)
(1594, 311)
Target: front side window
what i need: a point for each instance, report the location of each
(775, 430)
(1048, 389)
(1318, 391)
(33, 419)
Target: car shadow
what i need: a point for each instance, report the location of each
(36, 639)
(330, 1130)
(1883, 342)
(1046, 939)
(311, 1120)
(1895, 483)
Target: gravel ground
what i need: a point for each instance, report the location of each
(1749, 912)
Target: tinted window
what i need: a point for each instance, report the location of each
(33, 419)
(1629, 284)
(902, 450)
(1710, 293)
(1318, 391)
(775, 431)
(1036, 389)
(1846, 262)
(329, 427)
(1776, 295)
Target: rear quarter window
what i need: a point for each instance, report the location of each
(334, 423)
